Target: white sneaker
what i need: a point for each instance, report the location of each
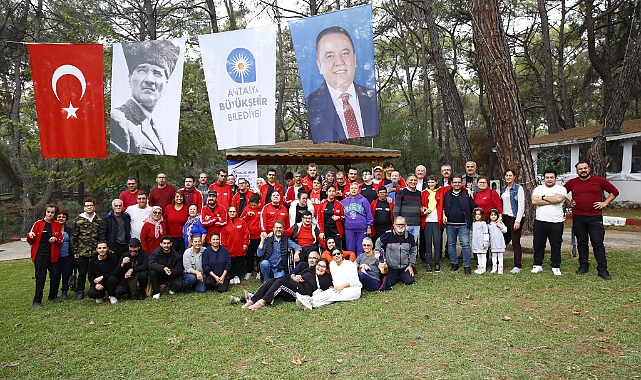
(236, 280)
(556, 271)
(258, 276)
(248, 276)
(156, 296)
(172, 292)
(100, 300)
(515, 270)
(537, 269)
(113, 300)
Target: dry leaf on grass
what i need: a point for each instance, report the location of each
(92, 322)
(299, 361)
(264, 363)
(506, 318)
(339, 361)
(269, 341)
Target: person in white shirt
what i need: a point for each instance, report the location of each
(138, 213)
(548, 223)
(346, 285)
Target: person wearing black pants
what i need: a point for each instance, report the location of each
(102, 274)
(84, 237)
(132, 271)
(45, 238)
(165, 265)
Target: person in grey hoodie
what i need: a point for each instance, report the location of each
(358, 219)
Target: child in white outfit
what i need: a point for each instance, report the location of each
(496, 229)
(480, 239)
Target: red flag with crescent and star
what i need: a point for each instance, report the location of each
(69, 91)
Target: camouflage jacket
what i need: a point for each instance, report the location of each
(84, 235)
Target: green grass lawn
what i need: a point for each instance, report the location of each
(449, 325)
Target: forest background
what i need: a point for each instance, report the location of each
(456, 80)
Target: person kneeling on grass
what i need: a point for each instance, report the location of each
(102, 274)
(346, 286)
(400, 253)
(165, 265)
(132, 271)
(216, 265)
(311, 280)
(193, 265)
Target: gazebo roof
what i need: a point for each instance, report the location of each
(630, 128)
(305, 151)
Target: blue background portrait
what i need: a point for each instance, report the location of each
(358, 23)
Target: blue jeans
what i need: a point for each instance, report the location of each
(369, 282)
(415, 231)
(463, 234)
(267, 272)
(190, 279)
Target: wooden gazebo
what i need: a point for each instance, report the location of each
(302, 152)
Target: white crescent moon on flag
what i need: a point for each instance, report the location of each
(68, 70)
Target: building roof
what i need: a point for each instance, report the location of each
(305, 151)
(630, 128)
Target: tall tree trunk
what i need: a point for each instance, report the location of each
(495, 66)
(601, 67)
(618, 104)
(451, 99)
(150, 15)
(547, 95)
(409, 77)
(281, 84)
(229, 5)
(213, 18)
(566, 105)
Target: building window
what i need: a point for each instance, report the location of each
(557, 158)
(636, 156)
(614, 156)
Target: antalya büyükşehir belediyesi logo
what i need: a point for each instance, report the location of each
(241, 66)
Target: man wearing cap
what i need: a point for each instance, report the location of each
(214, 215)
(150, 65)
(378, 175)
(132, 271)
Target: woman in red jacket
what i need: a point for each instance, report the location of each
(153, 230)
(45, 238)
(176, 215)
(330, 217)
(235, 237)
(487, 198)
(251, 216)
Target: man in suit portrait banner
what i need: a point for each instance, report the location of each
(335, 56)
(145, 98)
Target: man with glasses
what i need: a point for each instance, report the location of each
(115, 229)
(446, 173)
(241, 198)
(408, 205)
(400, 251)
(84, 238)
(457, 217)
(223, 189)
(305, 234)
(128, 197)
(274, 251)
(231, 181)
(163, 193)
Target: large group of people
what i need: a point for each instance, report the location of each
(314, 240)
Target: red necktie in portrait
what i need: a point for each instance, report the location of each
(350, 117)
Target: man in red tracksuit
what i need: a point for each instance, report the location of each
(274, 211)
(214, 215)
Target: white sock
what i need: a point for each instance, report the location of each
(494, 258)
(482, 259)
(500, 258)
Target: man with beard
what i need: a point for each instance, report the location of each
(132, 272)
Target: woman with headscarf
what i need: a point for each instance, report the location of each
(153, 230)
(193, 226)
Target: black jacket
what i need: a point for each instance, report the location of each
(140, 263)
(108, 229)
(105, 268)
(172, 260)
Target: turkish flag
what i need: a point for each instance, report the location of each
(69, 91)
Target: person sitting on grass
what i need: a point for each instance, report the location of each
(346, 286)
(216, 265)
(193, 266)
(330, 243)
(307, 283)
(102, 274)
(165, 265)
(370, 266)
(132, 271)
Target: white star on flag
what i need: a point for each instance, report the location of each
(71, 111)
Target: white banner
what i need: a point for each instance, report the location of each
(145, 96)
(247, 169)
(240, 72)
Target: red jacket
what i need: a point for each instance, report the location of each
(235, 236)
(290, 196)
(196, 200)
(338, 211)
(270, 214)
(439, 204)
(263, 193)
(487, 200)
(148, 238)
(235, 201)
(253, 220)
(225, 193)
(56, 231)
(213, 220)
(391, 212)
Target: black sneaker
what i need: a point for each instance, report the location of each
(605, 275)
(141, 296)
(429, 268)
(467, 270)
(582, 270)
(437, 268)
(53, 300)
(65, 295)
(453, 267)
(80, 296)
(36, 304)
